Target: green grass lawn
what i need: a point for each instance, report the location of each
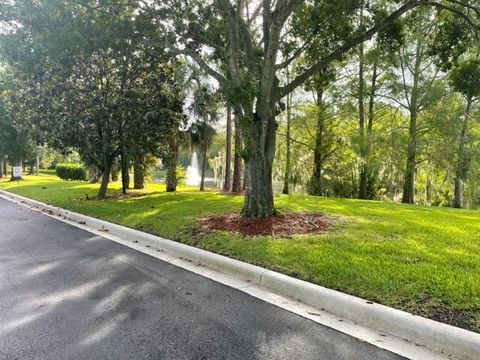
(419, 259)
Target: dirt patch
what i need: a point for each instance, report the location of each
(116, 196)
(279, 225)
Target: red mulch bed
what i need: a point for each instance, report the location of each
(279, 225)
(117, 196)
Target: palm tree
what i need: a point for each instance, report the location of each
(202, 135)
(205, 108)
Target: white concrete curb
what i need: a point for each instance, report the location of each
(454, 342)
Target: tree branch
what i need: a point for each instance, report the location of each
(457, 12)
(336, 54)
(200, 62)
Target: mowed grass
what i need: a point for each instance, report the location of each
(424, 260)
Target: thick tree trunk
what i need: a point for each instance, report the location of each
(315, 186)
(461, 169)
(5, 162)
(260, 152)
(31, 169)
(2, 160)
(104, 185)
(204, 168)
(363, 183)
(138, 173)
(457, 201)
(107, 168)
(237, 160)
(228, 151)
(245, 179)
(259, 126)
(286, 178)
(171, 180)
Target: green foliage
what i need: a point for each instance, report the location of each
(180, 171)
(205, 107)
(90, 81)
(71, 171)
(16, 140)
(202, 135)
(50, 158)
(465, 78)
(451, 39)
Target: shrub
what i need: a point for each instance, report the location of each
(71, 172)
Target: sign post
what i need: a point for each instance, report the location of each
(17, 172)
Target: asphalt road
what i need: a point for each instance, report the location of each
(68, 294)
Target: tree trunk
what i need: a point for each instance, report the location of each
(127, 176)
(367, 174)
(2, 161)
(461, 169)
(286, 180)
(237, 159)
(245, 179)
(107, 168)
(31, 169)
(171, 163)
(138, 173)
(37, 165)
(124, 171)
(171, 180)
(204, 168)
(228, 151)
(258, 166)
(363, 178)
(408, 196)
(5, 167)
(457, 201)
(429, 189)
(315, 186)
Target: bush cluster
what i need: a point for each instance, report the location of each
(71, 172)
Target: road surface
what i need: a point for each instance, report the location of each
(68, 294)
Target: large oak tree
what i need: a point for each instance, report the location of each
(240, 43)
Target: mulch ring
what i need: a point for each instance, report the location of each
(284, 224)
(116, 196)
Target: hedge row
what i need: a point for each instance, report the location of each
(71, 172)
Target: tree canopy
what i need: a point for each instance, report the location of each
(110, 80)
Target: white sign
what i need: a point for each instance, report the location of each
(17, 171)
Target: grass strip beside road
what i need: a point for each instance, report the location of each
(424, 260)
